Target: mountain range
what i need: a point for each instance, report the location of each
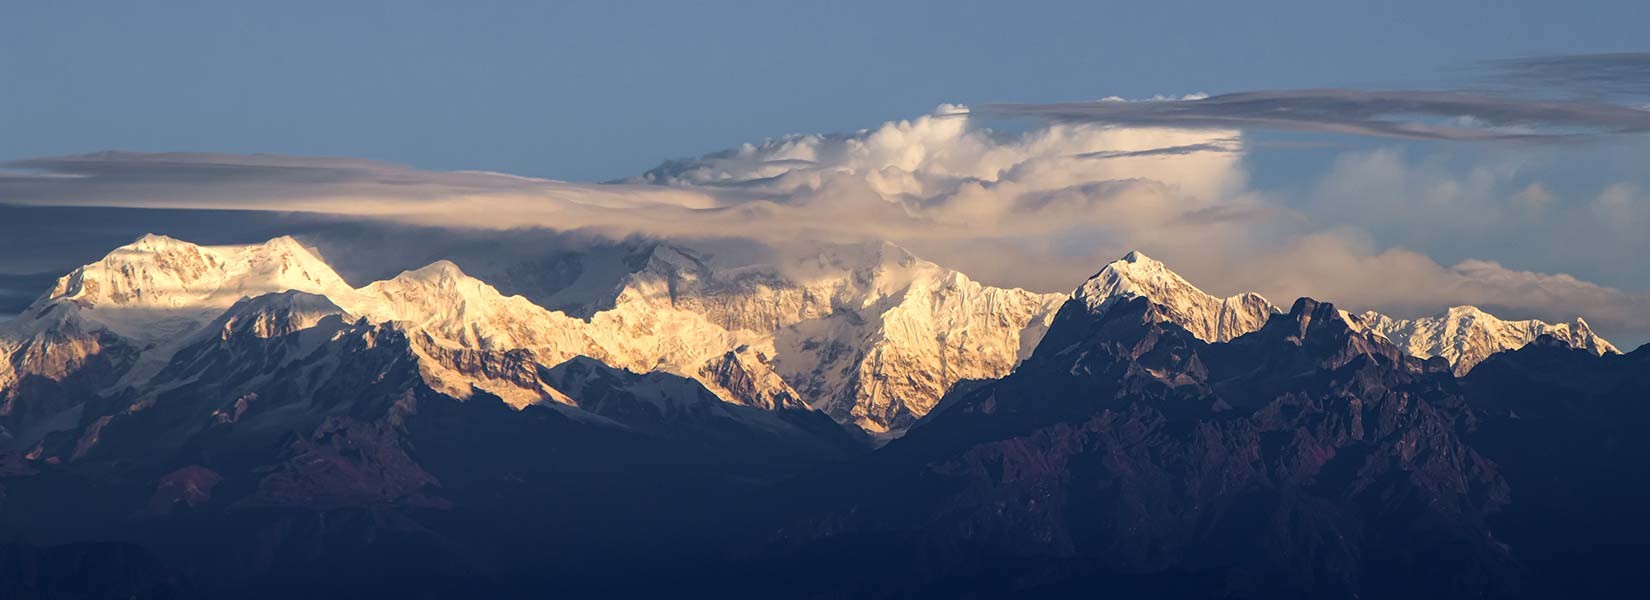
(856, 422)
(871, 335)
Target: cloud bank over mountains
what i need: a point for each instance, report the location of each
(1039, 208)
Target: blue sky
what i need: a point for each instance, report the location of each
(600, 90)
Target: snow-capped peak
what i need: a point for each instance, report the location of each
(1205, 316)
(441, 272)
(1462, 334)
(158, 287)
(866, 332)
(1465, 311)
(155, 242)
(1466, 335)
(274, 315)
(465, 312)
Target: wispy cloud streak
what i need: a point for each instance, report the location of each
(1616, 75)
(1420, 115)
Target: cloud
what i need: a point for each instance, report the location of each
(1344, 264)
(265, 181)
(1616, 75)
(1221, 146)
(1519, 208)
(1039, 208)
(937, 153)
(938, 178)
(1420, 115)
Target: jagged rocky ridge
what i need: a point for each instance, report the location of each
(1466, 335)
(1309, 458)
(1463, 335)
(869, 334)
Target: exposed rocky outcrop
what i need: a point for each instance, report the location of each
(1307, 459)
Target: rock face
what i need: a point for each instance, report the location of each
(678, 408)
(748, 374)
(1308, 459)
(468, 336)
(89, 570)
(1567, 428)
(50, 368)
(1466, 335)
(870, 334)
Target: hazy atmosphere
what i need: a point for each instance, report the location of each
(1269, 299)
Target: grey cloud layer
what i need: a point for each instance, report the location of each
(184, 178)
(1424, 115)
(1230, 145)
(1623, 74)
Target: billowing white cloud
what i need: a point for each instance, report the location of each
(935, 183)
(934, 155)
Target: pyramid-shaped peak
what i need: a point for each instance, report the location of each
(890, 249)
(1137, 266)
(151, 238)
(436, 271)
(1207, 317)
(286, 242)
(1137, 269)
(284, 300)
(1466, 310)
(1311, 314)
(675, 258)
(288, 246)
(1309, 307)
(155, 242)
(277, 313)
(890, 255)
(1138, 257)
